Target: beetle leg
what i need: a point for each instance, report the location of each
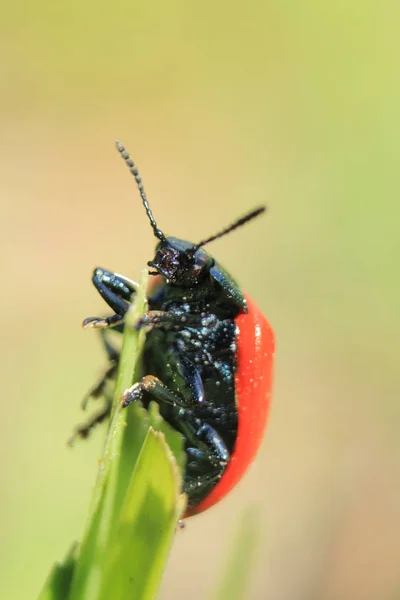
(203, 437)
(161, 393)
(192, 377)
(113, 356)
(84, 430)
(156, 389)
(207, 464)
(103, 323)
(119, 284)
(116, 289)
(213, 450)
(173, 317)
(219, 450)
(112, 353)
(98, 389)
(207, 450)
(209, 444)
(199, 486)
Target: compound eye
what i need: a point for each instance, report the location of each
(165, 261)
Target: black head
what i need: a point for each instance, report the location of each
(178, 261)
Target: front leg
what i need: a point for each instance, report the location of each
(103, 322)
(117, 290)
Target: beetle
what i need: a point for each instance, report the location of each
(208, 357)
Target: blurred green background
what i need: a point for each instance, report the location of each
(223, 106)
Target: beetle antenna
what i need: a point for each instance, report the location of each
(245, 219)
(133, 169)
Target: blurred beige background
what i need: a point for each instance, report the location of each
(224, 106)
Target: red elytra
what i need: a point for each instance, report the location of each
(253, 383)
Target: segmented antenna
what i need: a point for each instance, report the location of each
(251, 215)
(133, 169)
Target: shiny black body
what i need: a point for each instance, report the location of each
(189, 360)
(190, 350)
(197, 362)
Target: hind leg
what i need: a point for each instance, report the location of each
(205, 466)
(113, 356)
(98, 391)
(84, 430)
(206, 450)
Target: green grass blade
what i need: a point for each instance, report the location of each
(137, 462)
(116, 461)
(173, 438)
(127, 372)
(147, 523)
(58, 585)
(242, 560)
